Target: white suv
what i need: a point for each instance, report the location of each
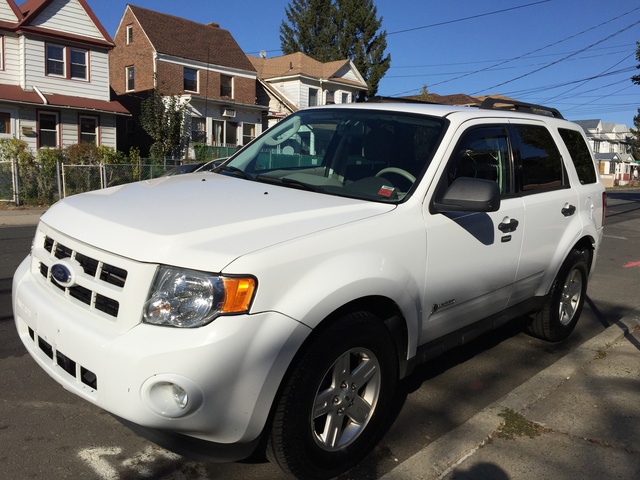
(275, 302)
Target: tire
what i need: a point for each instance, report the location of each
(563, 305)
(331, 411)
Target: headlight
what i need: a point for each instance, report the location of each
(188, 298)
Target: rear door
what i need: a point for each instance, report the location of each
(551, 208)
(472, 258)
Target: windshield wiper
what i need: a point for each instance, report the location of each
(289, 182)
(236, 170)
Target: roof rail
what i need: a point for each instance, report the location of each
(490, 104)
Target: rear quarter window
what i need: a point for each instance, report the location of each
(539, 161)
(580, 155)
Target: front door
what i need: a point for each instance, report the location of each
(472, 258)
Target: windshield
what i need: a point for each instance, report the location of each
(367, 154)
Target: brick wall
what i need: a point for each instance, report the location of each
(170, 82)
(138, 54)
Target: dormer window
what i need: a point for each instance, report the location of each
(78, 63)
(55, 60)
(67, 62)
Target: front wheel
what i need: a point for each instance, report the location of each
(332, 408)
(563, 305)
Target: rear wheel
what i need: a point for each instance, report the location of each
(331, 411)
(563, 305)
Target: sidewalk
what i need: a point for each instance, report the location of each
(578, 419)
(16, 216)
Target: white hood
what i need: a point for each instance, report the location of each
(200, 221)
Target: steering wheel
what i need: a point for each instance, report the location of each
(398, 171)
(275, 139)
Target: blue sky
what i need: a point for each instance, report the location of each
(575, 55)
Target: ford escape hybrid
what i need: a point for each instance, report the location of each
(274, 303)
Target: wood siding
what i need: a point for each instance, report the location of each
(68, 16)
(6, 13)
(97, 87)
(10, 74)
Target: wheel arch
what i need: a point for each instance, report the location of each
(385, 310)
(587, 246)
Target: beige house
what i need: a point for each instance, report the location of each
(291, 82)
(54, 75)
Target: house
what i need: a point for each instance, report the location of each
(200, 63)
(289, 83)
(612, 146)
(54, 75)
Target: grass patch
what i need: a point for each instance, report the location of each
(600, 354)
(516, 425)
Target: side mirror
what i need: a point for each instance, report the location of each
(470, 195)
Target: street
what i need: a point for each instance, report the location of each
(49, 433)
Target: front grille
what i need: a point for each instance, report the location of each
(58, 358)
(96, 273)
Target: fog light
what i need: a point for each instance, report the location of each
(171, 396)
(180, 396)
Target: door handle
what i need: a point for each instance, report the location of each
(508, 225)
(568, 210)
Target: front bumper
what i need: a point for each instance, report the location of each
(231, 368)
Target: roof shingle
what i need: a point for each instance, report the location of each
(184, 38)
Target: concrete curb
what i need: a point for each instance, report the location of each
(20, 216)
(439, 458)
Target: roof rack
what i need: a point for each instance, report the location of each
(490, 104)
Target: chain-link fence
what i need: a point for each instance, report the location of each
(8, 179)
(84, 178)
(45, 184)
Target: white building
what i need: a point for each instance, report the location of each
(611, 145)
(289, 83)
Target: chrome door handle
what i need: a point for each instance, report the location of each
(508, 225)
(568, 210)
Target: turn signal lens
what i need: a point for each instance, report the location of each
(238, 294)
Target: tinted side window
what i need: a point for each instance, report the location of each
(482, 152)
(540, 162)
(580, 155)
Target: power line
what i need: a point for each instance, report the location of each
(560, 95)
(564, 84)
(560, 60)
(625, 48)
(500, 63)
(448, 22)
(491, 69)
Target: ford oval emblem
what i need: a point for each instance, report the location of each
(62, 274)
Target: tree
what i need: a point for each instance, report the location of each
(635, 146)
(311, 30)
(636, 120)
(636, 78)
(425, 96)
(328, 30)
(162, 117)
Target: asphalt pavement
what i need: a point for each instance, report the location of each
(577, 419)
